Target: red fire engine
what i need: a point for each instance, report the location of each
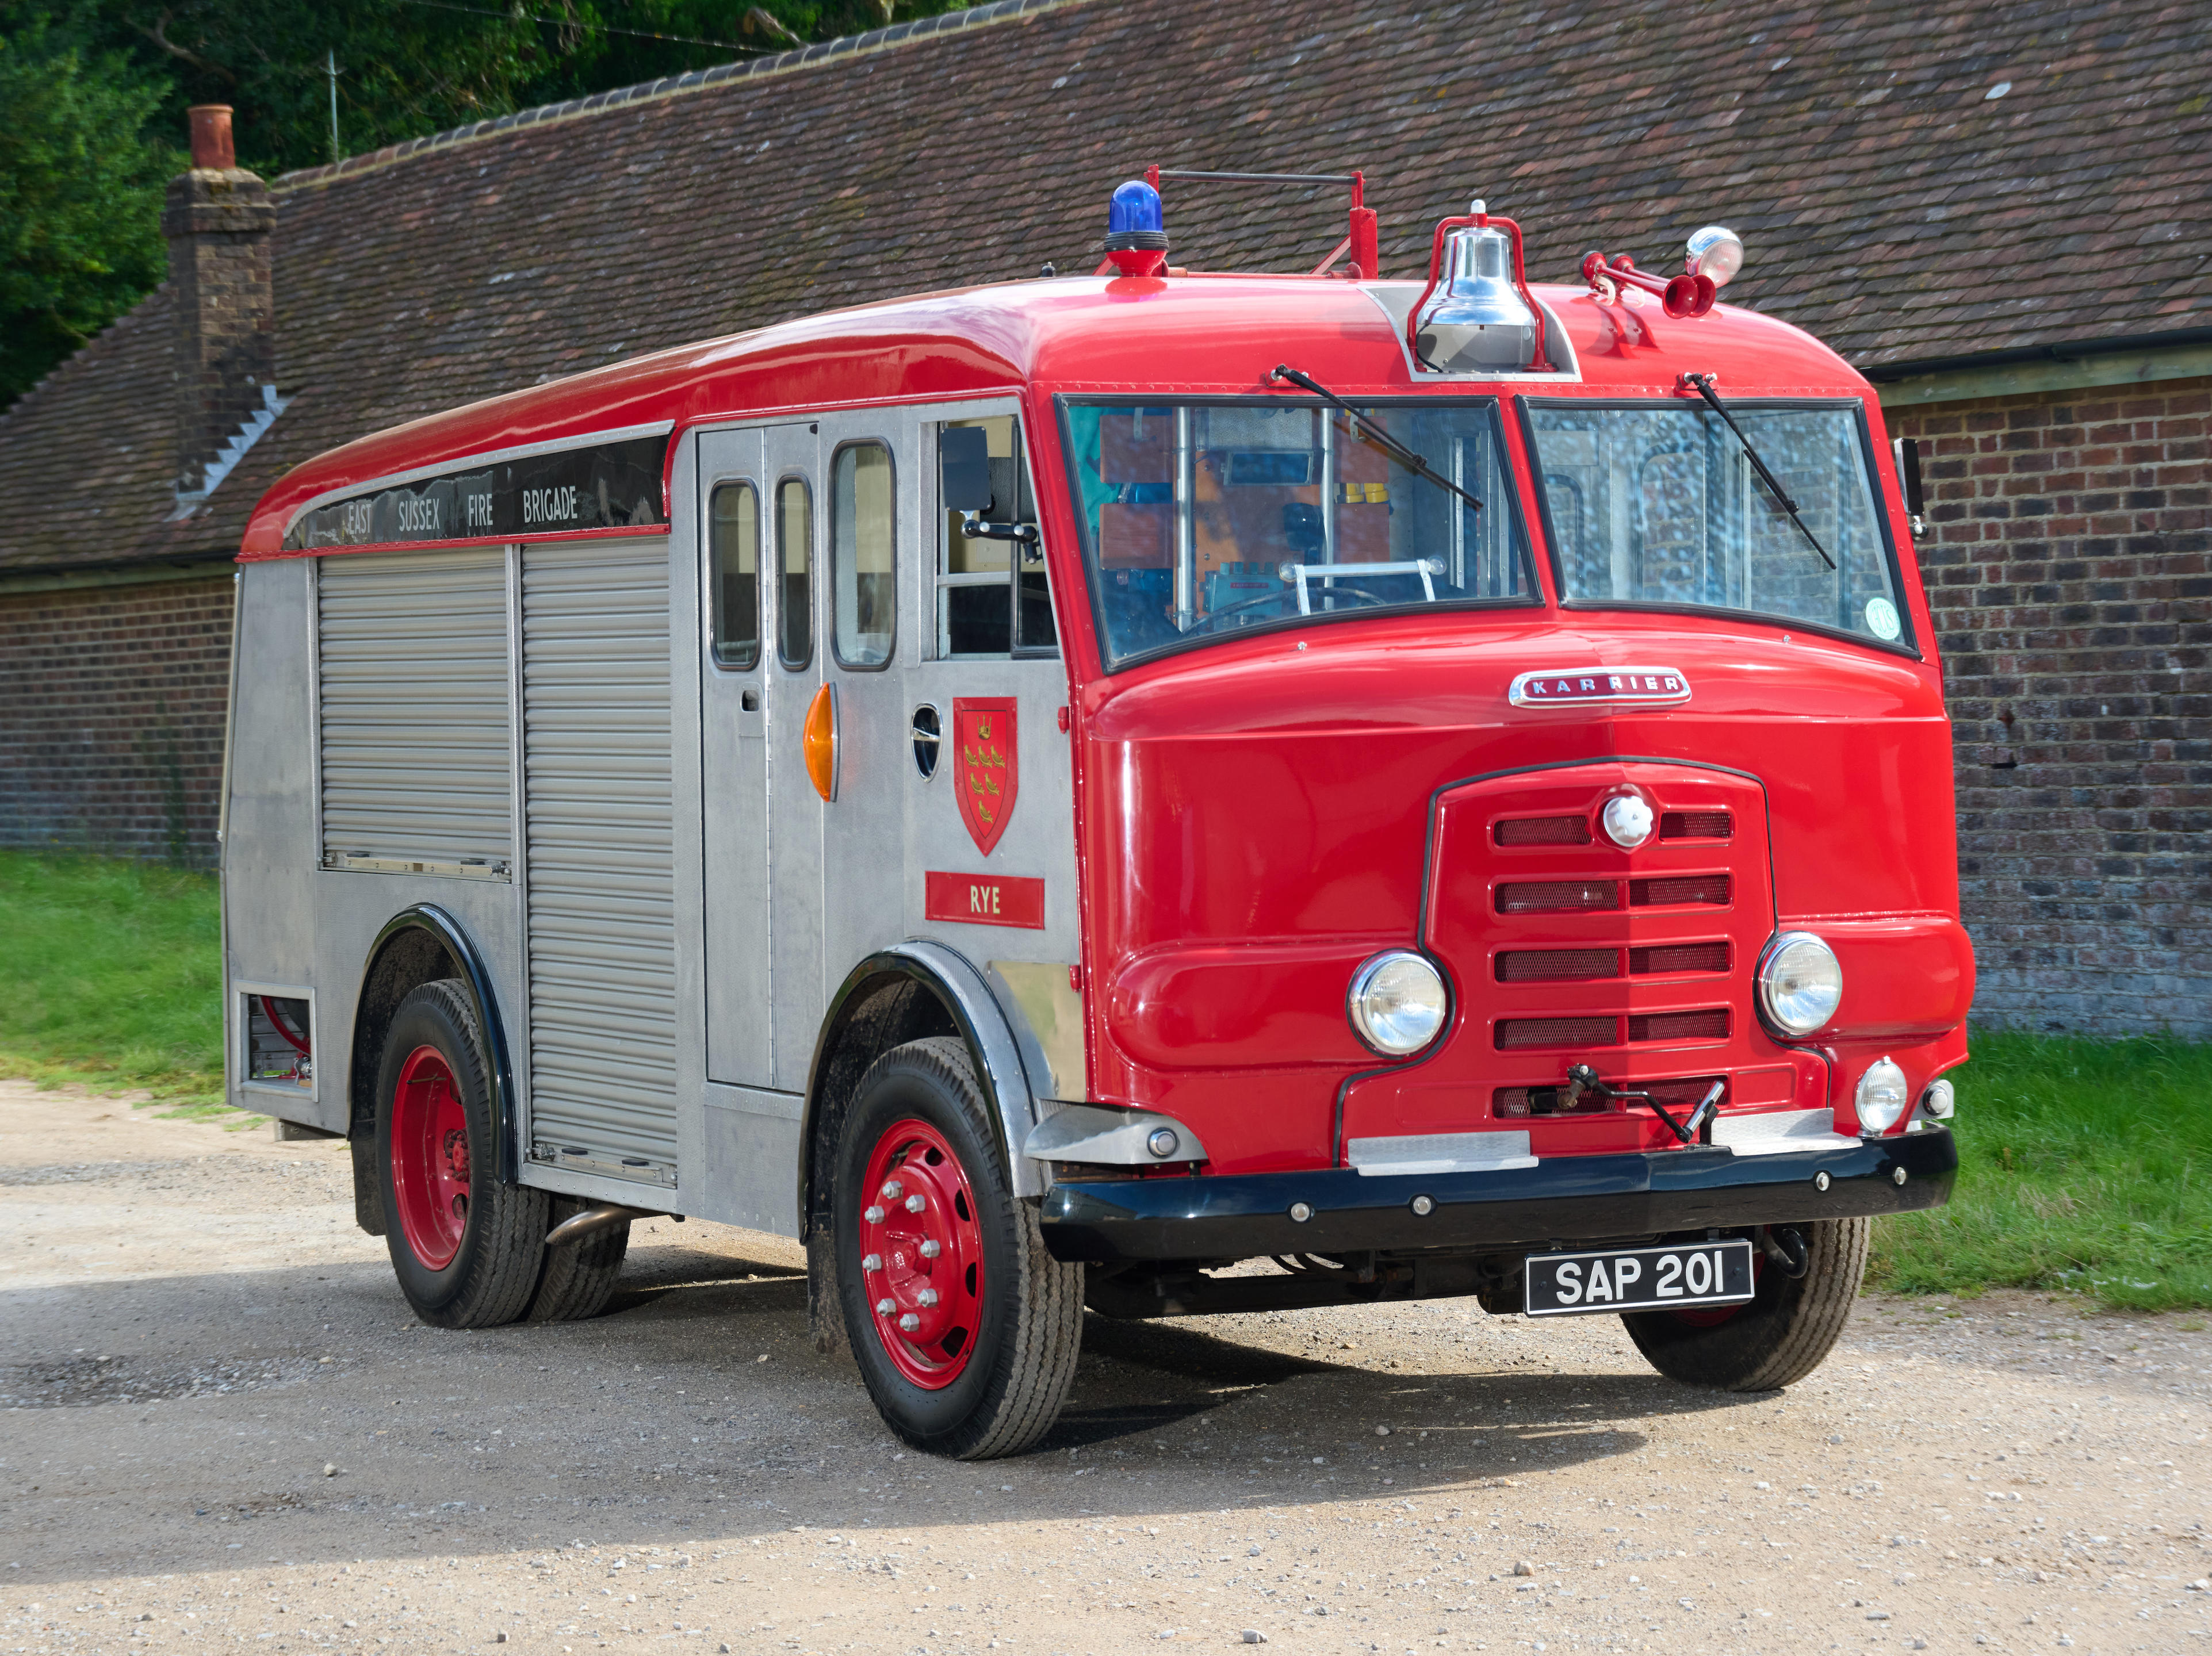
(1160, 791)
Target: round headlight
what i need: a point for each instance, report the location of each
(1398, 1003)
(1800, 985)
(1715, 252)
(1881, 1096)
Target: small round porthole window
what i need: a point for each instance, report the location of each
(928, 732)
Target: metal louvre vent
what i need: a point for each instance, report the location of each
(413, 699)
(599, 814)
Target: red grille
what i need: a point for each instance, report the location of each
(1545, 831)
(1559, 965)
(1514, 1034)
(1696, 825)
(1709, 1025)
(1711, 889)
(1563, 896)
(1678, 957)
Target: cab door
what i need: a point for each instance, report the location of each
(797, 990)
(735, 683)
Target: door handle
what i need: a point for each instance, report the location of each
(820, 742)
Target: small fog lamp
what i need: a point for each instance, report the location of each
(1800, 983)
(1715, 252)
(1627, 820)
(1881, 1096)
(1163, 1141)
(1938, 1100)
(1398, 1003)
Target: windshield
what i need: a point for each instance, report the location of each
(1202, 520)
(1659, 505)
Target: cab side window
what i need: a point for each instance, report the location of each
(992, 598)
(733, 532)
(794, 559)
(862, 555)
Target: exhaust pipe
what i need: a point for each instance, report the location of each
(592, 1221)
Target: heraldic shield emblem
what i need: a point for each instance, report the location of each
(988, 769)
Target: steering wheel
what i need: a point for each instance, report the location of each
(1279, 595)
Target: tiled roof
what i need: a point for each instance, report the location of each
(1913, 183)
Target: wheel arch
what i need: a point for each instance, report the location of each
(420, 945)
(903, 994)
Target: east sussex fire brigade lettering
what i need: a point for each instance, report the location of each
(549, 505)
(418, 516)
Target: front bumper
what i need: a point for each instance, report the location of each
(1562, 1199)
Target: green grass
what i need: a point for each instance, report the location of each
(2084, 1165)
(110, 974)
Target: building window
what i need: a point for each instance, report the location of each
(794, 557)
(733, 530)
(861, 555)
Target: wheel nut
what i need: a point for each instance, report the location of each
(893, 1190)
(873, 1262)
(927, 1296)
(931, 1249)
(874, 1214)
(910, 1322)
(886, 1307)
(914, 1204)
(1897, 1175)
(1822, 1182)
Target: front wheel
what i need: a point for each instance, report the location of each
(965, 1330)
(464, 1246)
(1780, 1335)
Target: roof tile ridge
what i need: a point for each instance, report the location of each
(816, 52)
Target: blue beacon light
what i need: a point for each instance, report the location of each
(1136, 230)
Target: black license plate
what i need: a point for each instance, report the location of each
(1639, 1278)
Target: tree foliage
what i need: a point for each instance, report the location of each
(96, 90)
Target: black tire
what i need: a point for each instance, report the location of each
(578, 1277)
(1777, 1338)
(1029, 1308)
(494, 1271)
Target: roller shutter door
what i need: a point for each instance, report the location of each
(599, 820)
(413, 680)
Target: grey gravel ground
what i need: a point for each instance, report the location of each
(220, 1430)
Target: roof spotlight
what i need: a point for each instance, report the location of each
(1717, 252)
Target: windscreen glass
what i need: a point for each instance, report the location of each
(1202, 520)
(1661, 505)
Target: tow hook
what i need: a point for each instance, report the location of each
(1786, 1248)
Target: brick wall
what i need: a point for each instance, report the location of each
(112, 703)
(2067, 566)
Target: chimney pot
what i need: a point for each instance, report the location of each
(211, 146)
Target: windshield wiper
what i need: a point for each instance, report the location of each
(1383, 440)
(1773, 484)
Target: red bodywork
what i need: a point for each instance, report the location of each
(1256, 817)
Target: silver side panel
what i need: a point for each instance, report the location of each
(413, 711)
(597, 813)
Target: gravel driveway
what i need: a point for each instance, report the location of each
(222, 1429)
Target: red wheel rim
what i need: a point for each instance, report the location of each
(430, 1157)
(1713, 1316)
(921, 1254)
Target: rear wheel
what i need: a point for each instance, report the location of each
(578, 1277)
(1780, 1335)
(965, 1330)
(465, 1247)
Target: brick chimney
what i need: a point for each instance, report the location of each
(218, 219)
